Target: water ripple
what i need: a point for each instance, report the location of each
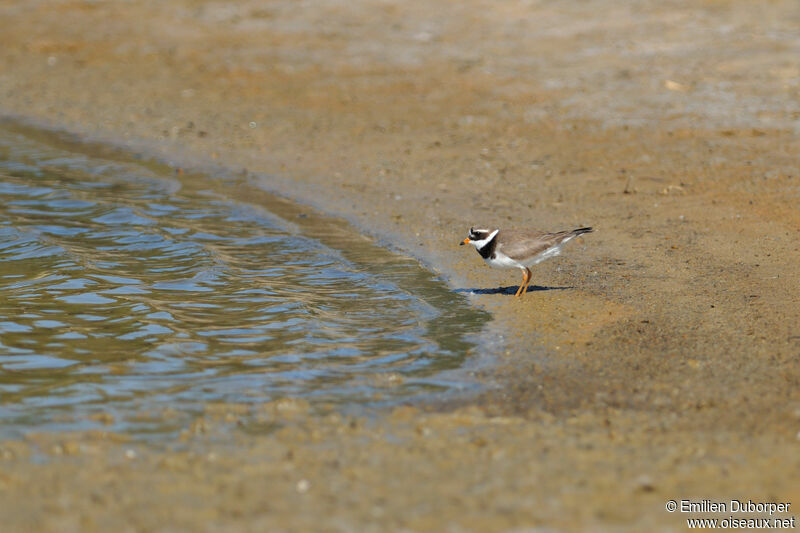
(123, 290)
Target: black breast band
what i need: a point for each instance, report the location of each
(488, 248)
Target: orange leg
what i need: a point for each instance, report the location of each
(526, 277)
(528, 281)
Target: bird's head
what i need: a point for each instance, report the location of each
(478, 237)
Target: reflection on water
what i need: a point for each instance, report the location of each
(125, 290)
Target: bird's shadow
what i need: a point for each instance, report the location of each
(510, 290)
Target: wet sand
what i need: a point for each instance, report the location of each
(663, 365)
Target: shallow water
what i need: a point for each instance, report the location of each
(127, 291)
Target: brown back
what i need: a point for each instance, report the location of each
(521, 245)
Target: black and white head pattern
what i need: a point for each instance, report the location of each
(482, 239)
(479, 237)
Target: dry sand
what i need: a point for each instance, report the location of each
(667, 369)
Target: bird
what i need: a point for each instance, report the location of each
(519, 248)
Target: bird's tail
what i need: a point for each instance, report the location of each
(581, 231)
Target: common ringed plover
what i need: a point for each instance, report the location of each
(519, 248)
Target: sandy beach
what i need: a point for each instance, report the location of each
(662, 365)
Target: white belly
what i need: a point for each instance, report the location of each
(503, 261)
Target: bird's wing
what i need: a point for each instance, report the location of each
(521, 245)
